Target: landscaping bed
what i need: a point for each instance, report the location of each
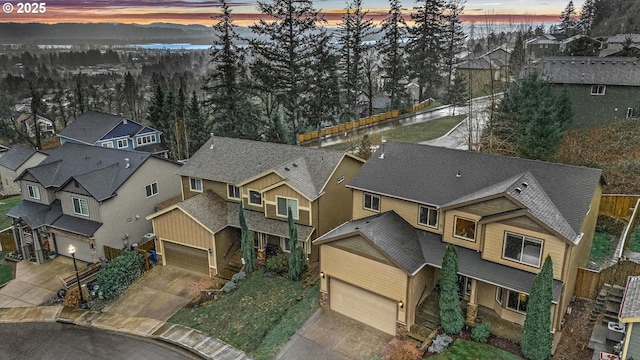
(464, 347)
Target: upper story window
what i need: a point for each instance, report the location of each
(233, 191)
(195, 184)
(598, 89)
(80, 206)
(371, 202)
(108, 144)
(123, 143)
(151, 189)
(34, 192)
(146, 139)
(428, 216)
(283, 207)
(524, 249)
(465, 229)
(255, 198)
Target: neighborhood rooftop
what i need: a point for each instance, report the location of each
(621, 71)
(93, 126)
(16, 156)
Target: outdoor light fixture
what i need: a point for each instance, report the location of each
(401, 304)
(72, 251)
(322, 274)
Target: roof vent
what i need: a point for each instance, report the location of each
(124, 121)
(459, 174)
(518, 190)
(127, 163)
(613, 63)
(287, 168)
(295, 165)
(381, 157)
(525, 184)
(357, 228)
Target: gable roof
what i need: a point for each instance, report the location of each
(481, 63)
(621, 71)
(429, 175)
(630, 307)
(93, 126)
(100, 171)
(236, 160)
(36, 215)
(16, 156)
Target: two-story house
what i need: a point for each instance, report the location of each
(198, 232)
(14, 162)
(89, 196)
(504, 215)
(112, 131)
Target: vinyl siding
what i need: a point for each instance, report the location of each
(72, 188)
(285, 191)
(67, 205)
(488, 207)
(632, 342)
(525, 223)
(360, 246)
(449, 224)
(46, 196)
(10, 186)
(422, 281)
(219, 188)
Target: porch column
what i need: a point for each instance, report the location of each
(261, 254)
(37, 247)
(16, 233)
(472, 306)
(94, 252)
(24, 247)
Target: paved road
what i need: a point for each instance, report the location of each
(55, 341)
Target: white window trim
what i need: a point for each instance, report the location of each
(296, 214)
(429, 208)
(73, 203)
(229, 192)
(596, 93)
(475, 230)
(504, 247)
(629, 112)
(35, 189)
(249, 197)
(197, 180)
(150, 139)
(300, 242)
(108, 144)
(506, 305)
(125, 141)
(151, 187)
(499, 295)
(364, 201)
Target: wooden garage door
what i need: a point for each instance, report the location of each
(186, 257)
(372, 309)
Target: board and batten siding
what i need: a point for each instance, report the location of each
(219, 188)
(261, 183)
(11, 187)
(67, 205)
(46, 196)
(494, 245)
(270, 199)
(124, 214)
(449, 225)
(406, 209)
(489, 207)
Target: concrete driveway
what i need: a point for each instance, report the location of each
(331, 336)
(35, 283)
(159, 293)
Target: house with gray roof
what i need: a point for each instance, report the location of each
(14, 162)
(199, 232)
(602, 89)
(113, 131)
(504, 215)
(89, 197)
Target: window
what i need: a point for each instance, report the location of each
(255, 198)
(517, 301)
(597, 89)
(287, 245)
(371, 202)
(195, 184)
(146, 139)
(629, 112)
(465, 229)
(428, 216)
(34, 192)
(151, 189)
(233, 192)
(123, 143)
(80, 206)
(108, 144)
(499, 295)
(283, 207)
(522, 249)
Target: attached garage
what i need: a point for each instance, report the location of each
(186, 257)
(83, 249)
(362, 305)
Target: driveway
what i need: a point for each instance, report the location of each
(159, 293)
(331, 336)
(34, 283)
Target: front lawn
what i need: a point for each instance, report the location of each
(471, 350)
(5, 206)
(600, 247)
(634, 240)
(6, 273)
(258, 318)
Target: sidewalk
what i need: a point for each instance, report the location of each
(190, 339)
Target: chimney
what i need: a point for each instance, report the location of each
(127, 163)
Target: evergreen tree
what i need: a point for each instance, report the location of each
(568, 23)
(130, 94)
(425, 46)
(450, 311)
(296, 257)
(197, 126)
(246, 240)
(518, 55)
(390, 46)
(371, 72)
(457, 92)
(587, 15)
(453, 35)
(536, 337)
(542, 135)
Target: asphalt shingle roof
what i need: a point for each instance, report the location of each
(36, 215)
(439, 176)
(91, 126)
(236, 160)
(621, 71)
(16, 156)
(630, 307)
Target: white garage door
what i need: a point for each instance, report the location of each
(186, 257)
(362, 305)
(83, 249)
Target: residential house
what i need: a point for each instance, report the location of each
(504, 215)
(198, 232)
(14, 162)
(480, 73)
(112, 131)
(543, 45)
(629, 315)
(24, 121)
(601, 89)
(500, 56)
(89, 196)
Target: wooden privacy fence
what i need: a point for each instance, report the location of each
(589, 282)
(111, 253)
(618, 206)
(337, 129)
(7, 242)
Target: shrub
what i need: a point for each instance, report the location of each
(229, 287)
(239, 277)
(119, 273)
(401, 350)
(440, 344)
(72, 298)
(481, 333)
(278, 264)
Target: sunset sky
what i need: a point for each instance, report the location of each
(245, 13)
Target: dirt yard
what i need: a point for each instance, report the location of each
(576, 333)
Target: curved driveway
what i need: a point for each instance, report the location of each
(55, 341)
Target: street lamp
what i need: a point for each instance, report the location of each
(72, 251)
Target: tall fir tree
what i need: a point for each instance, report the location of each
(568, 23)
(198, 126)
(457, 92)
(453, 36)
(536, 337)
(391, 49)
(425, 46)
(587, 15)
(518, 55)
(451, 318)
(296, 256)
(246, 240)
